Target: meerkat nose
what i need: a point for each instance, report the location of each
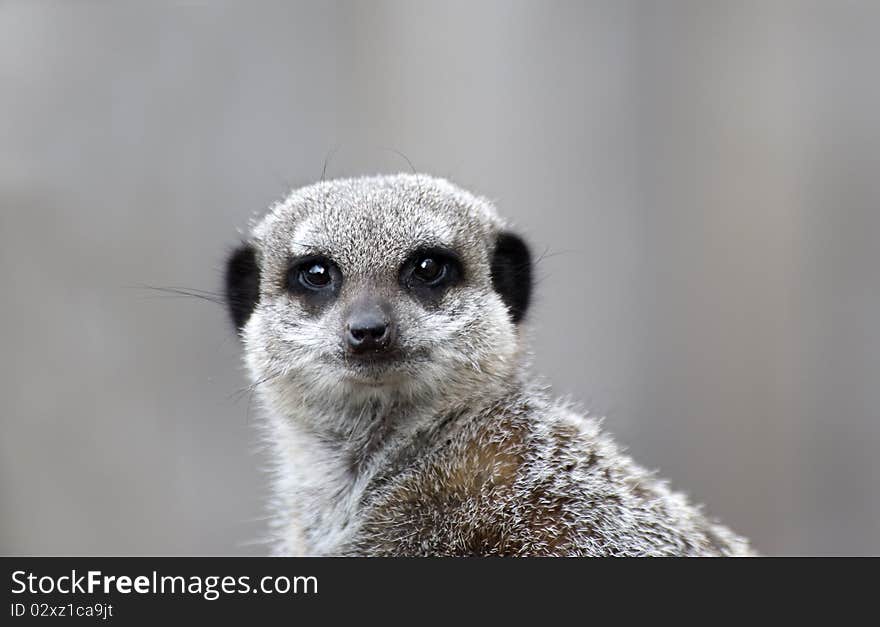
(369, 329)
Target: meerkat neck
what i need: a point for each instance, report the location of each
(325, 461)
(323, 465)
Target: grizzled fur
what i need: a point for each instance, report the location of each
(448, 448)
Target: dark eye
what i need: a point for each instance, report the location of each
(430, 270)
(315, 275)
(428, 273)
(312, 275)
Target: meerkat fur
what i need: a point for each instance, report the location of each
(381, 321)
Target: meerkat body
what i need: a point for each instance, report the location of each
(381, 320)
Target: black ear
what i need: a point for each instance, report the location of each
(512, 274)
(242, 283)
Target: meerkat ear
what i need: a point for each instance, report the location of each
(511, 268)
(242, 284)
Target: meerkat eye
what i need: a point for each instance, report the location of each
(429, 270)
(315, 275)
(312, 274)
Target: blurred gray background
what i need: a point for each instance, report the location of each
(705, 177)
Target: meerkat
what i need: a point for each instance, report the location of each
(381, 320)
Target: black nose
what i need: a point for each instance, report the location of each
(369, 331)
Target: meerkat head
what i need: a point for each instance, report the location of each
(402, 286)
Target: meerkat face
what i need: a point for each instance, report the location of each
(402, 284)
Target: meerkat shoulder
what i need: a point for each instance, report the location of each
(532, 478)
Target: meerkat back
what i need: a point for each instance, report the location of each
(381, 320)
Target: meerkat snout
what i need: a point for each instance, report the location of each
(370, 329)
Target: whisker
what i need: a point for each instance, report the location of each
(402, 156)
(547, 254)
(327, 158)
(212, 297)
(412, 169)
(239, 394)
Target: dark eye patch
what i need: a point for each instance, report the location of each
(315, 279)
(429, 272)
